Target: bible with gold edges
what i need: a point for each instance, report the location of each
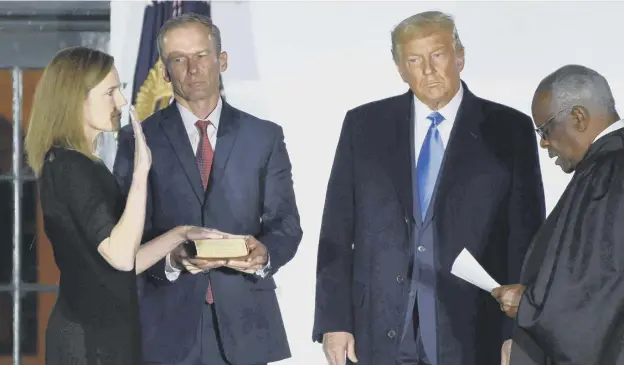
(217, 248)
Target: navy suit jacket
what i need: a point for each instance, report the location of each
(489, 199)
(250, 192)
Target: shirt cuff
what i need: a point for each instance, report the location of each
(265, 270)
(171, 272)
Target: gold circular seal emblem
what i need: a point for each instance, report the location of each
(154, 94)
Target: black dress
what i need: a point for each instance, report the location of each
(95, 319)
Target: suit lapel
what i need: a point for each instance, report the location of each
(175, 132)
(226, 137)
(463, 148)
(398, 142)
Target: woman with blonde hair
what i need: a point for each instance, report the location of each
(95, 232)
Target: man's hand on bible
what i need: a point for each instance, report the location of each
(180, 259)
(254, 261)
(509, 298)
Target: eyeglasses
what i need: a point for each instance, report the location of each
(542, 129)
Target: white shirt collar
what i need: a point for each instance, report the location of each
(449, 111)
(189, 119)
(612, 128)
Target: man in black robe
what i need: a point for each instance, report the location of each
(569, 305)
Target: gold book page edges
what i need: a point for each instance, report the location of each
(222, 248)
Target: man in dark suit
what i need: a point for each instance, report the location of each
(417, 178)
(213, 166)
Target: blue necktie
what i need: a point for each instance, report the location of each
(427, 169)
(429, 162)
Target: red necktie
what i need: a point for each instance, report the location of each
(204, 156)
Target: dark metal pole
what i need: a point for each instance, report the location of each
(17, 212)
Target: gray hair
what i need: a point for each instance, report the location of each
(185, 19)
(573, 85)
(421, 23)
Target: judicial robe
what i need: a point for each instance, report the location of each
(572, 311)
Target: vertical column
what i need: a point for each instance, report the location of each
(17, 212)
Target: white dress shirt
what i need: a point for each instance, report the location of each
(422, 124)
(189, 119)
(612, 128)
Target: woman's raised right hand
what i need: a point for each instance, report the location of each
(142, 153)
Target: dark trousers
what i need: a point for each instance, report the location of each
(411, 350)
(207, 350)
